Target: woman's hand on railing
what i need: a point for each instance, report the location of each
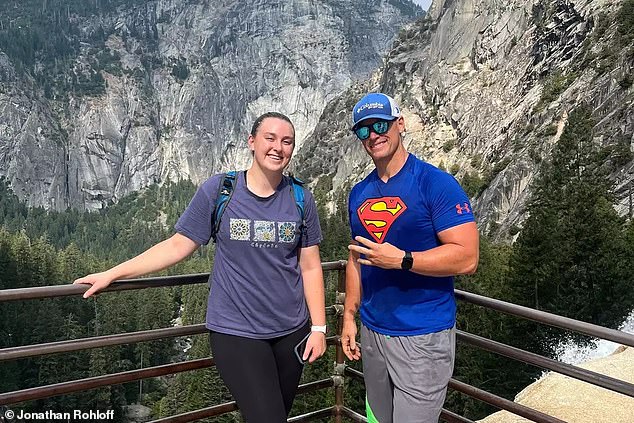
(98, 281)
(348, 342)
(315, 346)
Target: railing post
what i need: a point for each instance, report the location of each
(339, 358)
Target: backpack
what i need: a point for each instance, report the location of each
(225, 191)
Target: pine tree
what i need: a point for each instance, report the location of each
(567, 258)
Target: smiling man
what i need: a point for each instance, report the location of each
(414, 231)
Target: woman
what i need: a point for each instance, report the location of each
(266, 280)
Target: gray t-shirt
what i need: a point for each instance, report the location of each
(256, 287)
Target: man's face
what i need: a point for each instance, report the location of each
(273, 144)
(383, 146)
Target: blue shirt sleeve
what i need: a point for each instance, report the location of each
(449, 204)
(312, 232)
(351, 200)
(196, 221)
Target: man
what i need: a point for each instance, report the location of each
(414, 230)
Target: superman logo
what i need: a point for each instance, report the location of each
(378, 214)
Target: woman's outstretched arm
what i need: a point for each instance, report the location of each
(160, 256)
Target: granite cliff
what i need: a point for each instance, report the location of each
(486, 87)
(167, 89)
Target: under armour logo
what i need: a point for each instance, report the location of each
(463, 209)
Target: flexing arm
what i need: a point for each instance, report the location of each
(457, 255)
(158, 257)
(312, 274)
(351, 305)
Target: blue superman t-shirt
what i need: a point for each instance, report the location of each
(408, 211)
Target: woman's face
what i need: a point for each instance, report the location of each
(273, 144)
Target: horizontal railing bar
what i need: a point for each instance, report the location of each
(334, 265)
(353, 415)
(355, 374)
(72, 386)
(316, 385)
(589, 376)
(52, 291)
(192, 416)
(227, 407)
(99, 341)
(452, 417)
(499, 402)
(548, 318)
(318, 414)
(70, 345)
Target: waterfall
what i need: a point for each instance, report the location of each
(571, 352)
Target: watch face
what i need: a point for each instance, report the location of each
(408, 261)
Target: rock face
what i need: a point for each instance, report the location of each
(486, 87)
(574, 401)
(184, 81)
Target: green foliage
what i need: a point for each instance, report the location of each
(448, 146)
(625, 82)
(620, 39)
(477, 367)
(476, 161)
(550, 131)
(43, 39)
(554, 85)
(575, 257)
(569, 257)
(472, 183)
(31, 260)
(119, 232)
(180, 70)
(625, 19)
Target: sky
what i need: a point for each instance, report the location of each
(423, 3)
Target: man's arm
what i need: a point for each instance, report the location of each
(458, 254)
(351, 305)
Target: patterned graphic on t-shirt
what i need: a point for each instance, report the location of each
(264, 231)
(240, 229)
(378, 214)
(286, 231)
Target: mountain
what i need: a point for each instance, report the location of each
(100, 99)
(486, 87)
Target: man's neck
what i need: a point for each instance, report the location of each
(389, 167)
(262, 183)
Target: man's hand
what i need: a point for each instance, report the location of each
(385, 256)
(348, 343)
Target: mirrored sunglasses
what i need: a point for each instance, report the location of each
(379, 127)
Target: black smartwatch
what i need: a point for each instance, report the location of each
(408, 261)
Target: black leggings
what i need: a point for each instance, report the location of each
(261, 374)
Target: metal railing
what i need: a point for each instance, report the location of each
(340, 372)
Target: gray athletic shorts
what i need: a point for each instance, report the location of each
(406, 376)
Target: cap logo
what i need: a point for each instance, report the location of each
(375, 105)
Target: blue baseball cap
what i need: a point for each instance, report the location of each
(375, 106)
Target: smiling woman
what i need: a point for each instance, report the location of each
(257, 313)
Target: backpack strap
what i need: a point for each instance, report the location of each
(297, 188)
(227, 187)
(225, 191)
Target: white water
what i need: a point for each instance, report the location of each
(570, 352)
